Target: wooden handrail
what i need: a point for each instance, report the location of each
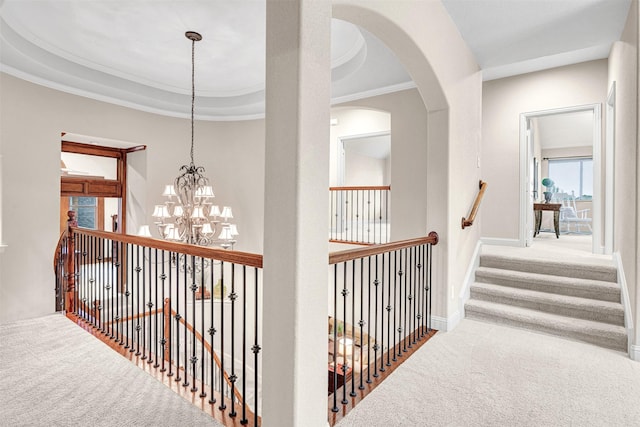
(366, 187)
(236, 257)
(476, 205)
(351, 254)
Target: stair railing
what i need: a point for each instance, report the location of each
(476, 205)
(379, 312)
(149, 297)
(359, 215)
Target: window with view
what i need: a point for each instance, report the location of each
(573, 176)
(86, 209)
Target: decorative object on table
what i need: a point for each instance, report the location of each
(188, 215)
(548, 183)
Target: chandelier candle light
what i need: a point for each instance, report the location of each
(189, 215)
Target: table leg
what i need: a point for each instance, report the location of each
(556, 223)
(538, 220)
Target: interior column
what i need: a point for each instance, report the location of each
(295, 295)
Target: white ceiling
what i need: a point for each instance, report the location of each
(134, 53)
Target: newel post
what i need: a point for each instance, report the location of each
(71, 263)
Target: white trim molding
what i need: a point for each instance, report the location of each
(500, 242)
(469, 278)
(443, 324)
(634, 350)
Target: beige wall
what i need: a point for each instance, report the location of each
(33, 118)
(503, 101)
(623, 70)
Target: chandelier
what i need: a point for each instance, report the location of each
(188, 215)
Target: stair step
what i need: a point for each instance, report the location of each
(598, 333)
(561, 285)
(569, 306)
(606, 273)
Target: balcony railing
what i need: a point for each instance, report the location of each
(193, 315)
(379, 312)
(359, 214)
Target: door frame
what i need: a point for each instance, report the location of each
(526, 202)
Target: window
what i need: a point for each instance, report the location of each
(86, 209)
(573, 176)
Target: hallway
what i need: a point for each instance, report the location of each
(482, 374)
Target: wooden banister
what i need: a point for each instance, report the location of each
(236, 257)
(476, 205)
(351, 254)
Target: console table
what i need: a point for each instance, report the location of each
(555, 208)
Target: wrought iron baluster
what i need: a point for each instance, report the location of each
(186, 316)
(223, 405)
(178, 316)
(376, 284)
(212, 333)
(256, 351)
(137, 298)
(233, 376)
(144, 299)
(155, 299)
(163, 339)
(203, 393)
(345, 293)
(353, 325)
(244, 346)
(335, 338)
(361, 321)
(194, 358)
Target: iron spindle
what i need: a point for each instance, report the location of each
(335, 338)
(223, 405)
(129, 302)
(361, 321)
(368, 321)
(138, 270)
(212, 333)
(244, 346)
(149, 304)
(397, 310)
(203, 393)
(155, 337)
(345, 292)
(169, 334)
(376, 284)
(194, 359)
(353, 325)
(389, 310)
(233, 377)
(178, 316)
(429, 285)
(402, 334)
(144, 298)
(185, 322)
(256, 351)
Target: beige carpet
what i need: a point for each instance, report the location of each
(52, 373)
(482, 374)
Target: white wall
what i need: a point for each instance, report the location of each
(623, 70)
(352, 122)
(503, 101)
(232, 153)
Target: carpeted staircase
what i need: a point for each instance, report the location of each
(577, 301)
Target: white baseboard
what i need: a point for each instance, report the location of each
(445, 324)
(469, 278)
(634, 350)
(500, 242)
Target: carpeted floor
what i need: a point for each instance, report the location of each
(52, 373)
(482, 374)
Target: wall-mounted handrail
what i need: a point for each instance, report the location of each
(476, 205)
